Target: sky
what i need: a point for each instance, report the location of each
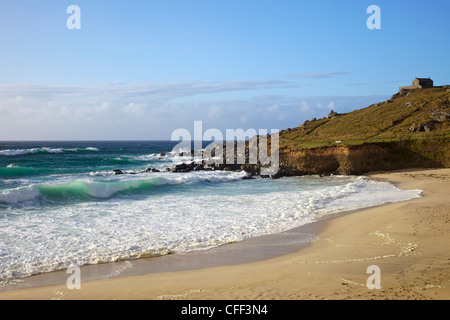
(138, 70)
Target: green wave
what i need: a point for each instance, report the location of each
(77, 191)
(83, 190)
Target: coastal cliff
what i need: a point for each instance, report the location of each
(342, 159)
(409, 130)
(367, 157)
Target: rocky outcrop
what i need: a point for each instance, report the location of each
(345, 160)
(365, 158)
(184, 167)
(421, 127)
(332, 114)
(251, 169)
(336, 159)
(440, 116)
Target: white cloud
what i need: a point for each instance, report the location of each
(273, 109)
(134, 109)
(328, 106)
(64, 111)
(215, 111)
(305, 107)
(281, 116)
(149, 111)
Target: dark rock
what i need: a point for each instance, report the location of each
(198, 167)
(401, 93)
(117, 171)
(416, 128)
(151, 170)
(252, 170)
(277, 175)
(180, 168)
(332, 114)
(232, 167)
(184, 167)
(162, 154)
(421, 127)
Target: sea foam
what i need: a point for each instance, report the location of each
(43, 150)
(82, 189)
(197, 217)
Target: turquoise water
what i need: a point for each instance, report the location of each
(61, 204)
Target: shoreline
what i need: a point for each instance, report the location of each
(325, 268)
(250, 250)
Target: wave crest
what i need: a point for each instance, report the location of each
(80, 190)
(43, 150)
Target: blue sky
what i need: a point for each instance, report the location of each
(141, 69)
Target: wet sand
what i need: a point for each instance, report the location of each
(408, 241)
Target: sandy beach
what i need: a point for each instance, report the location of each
(408, 241)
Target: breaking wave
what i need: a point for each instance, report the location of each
(82, 190)
(44, 150)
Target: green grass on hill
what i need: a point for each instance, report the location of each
(382, 122)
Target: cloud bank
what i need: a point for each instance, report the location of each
(147, 111)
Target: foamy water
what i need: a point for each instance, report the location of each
(51, 220)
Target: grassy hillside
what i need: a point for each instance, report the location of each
(412, 114)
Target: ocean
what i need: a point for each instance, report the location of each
(61, 204)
